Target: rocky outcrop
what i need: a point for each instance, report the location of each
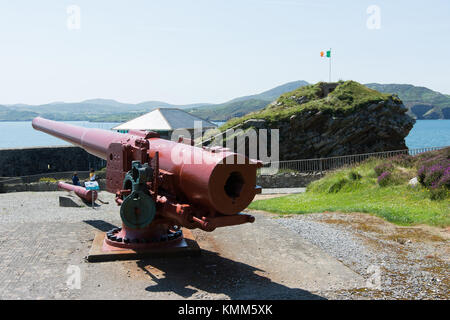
(380, 125)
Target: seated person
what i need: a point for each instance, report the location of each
(92, 175)
(75, 179)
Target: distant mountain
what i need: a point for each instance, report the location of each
(106, 102)
(273, 94)
(113, 111)
(228, 110)
(92, 110)
(240, 106)
(11, 114)
(159, 104)
(422, 103)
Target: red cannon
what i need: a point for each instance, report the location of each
(163, 185)
(88, 195)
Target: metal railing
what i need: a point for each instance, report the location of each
(413, 152)
(303, 165)
(331, 163)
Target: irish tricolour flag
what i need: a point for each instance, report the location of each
(325, 54)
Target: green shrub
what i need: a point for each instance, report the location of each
(439, 194)
(404, 160)
(383, 167)
(385, 179)
(434, 172)
(337, 186)
(354, 175)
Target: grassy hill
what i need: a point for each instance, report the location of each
(422, 102)
(328, 120)
(345, 99)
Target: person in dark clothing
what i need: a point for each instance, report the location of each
(75, 179)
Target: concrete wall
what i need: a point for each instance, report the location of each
(39, 186)
(281, 180)
(30, 161)
(36, 161)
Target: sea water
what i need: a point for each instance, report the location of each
(20, 134)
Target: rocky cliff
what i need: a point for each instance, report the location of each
(333, 119)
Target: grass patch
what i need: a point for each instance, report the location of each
(397, 204)
(357, 189)
(45, 179)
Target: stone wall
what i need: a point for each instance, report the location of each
(39, 186)
(30, 161)
(288, 179)
(280, 180)
(43, 161)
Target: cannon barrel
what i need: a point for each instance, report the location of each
(214, 179)
(94, 141)
(79, 191)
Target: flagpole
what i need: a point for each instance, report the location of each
(330, 67)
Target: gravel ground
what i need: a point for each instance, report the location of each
(397, 262)
(341, 245)
(36, 207)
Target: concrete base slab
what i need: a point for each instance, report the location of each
(187, 247)
(70, 202)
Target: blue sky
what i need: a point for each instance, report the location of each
(186, 51)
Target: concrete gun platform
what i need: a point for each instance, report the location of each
(42, 244)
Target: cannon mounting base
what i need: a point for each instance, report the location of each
(186, 247)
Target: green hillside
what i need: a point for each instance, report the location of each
(241, 106)
(273, 94)
(105, 110)
(376, 186)
(422, 102)
(225, 111)
(6, 114)
(109, 110)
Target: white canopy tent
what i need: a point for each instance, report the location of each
(164, 121)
